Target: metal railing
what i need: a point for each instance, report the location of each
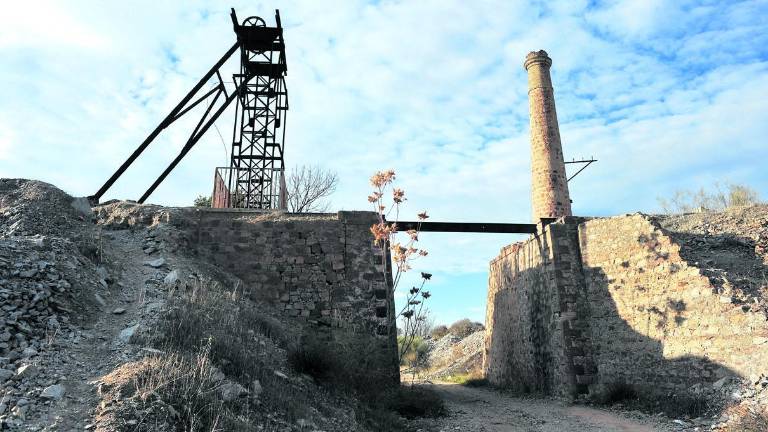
(238, 188)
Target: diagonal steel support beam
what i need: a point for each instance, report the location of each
(199, 131)
(167, 121)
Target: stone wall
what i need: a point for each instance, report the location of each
(322, 269)
(536, 331)
(589, 303)
(656, 320)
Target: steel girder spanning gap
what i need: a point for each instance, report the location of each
(469, 227)
(264, 99)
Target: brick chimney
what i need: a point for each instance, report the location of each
(549, 185)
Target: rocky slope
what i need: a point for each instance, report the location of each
(87, 328)
(453, 356)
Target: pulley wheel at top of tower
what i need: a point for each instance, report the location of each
(254, 21)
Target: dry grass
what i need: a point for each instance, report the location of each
(471, 379)
(214, 337)
(648, 400)
(211, 338)
(350, 365)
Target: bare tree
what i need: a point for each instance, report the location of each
(307, 186)
(718, 198)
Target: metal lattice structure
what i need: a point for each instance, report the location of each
(255, 177)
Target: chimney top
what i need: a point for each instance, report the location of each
(537, 57)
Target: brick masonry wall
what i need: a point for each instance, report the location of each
(587, 303)
(321, 269)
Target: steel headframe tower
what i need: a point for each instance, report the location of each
(254, 178)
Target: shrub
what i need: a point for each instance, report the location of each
(416, 354)
(219, 319)
(224, 325)
(684, 405)
(471, 379)
(714, 199)
(202, 201)
(349, 363)
(313, 359)
(187, 383)
(439, 331)
(465, 327)
(673, 405)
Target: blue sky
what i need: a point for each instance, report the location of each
(666, 94)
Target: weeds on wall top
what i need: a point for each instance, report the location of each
(403, 254)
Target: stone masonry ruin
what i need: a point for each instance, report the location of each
(322, 270)
(588, 303)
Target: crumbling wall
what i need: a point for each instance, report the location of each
(590, 303)
(656, 320)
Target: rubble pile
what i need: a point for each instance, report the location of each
(451, 355)
(731, 248)
(743, 399)
(29, 207)
(47, 286)
(164, 226)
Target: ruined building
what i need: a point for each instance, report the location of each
(587, 303)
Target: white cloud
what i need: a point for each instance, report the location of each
(6, 141)
(45, 25)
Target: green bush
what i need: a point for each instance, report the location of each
(202, 201)
(465, 327)
(439, 331)
(416, 353)
(472, 379)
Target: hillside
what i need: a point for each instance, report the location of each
(110, 324)
(452, 357)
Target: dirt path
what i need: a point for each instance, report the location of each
(83, 357)
(487, 410)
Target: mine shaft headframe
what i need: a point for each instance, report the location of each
(255, 177)
(248, 40)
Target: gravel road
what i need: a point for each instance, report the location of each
(487, 410)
